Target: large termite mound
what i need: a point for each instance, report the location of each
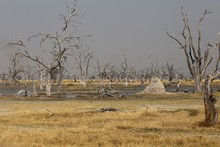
(155, 87)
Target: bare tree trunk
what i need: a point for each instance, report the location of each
(60, 76)
(126, 81)
(198, 84)
(211, 115)
(59, 85)
(125, 68)
(41, 78)
(41, 85)
(48, 87)
(59, 82)
(34, 88)
(4, 79)
(83, 81)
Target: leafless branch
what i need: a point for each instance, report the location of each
(181, 45)
(18, 43)
(196, 62)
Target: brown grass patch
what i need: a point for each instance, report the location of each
(78, 123)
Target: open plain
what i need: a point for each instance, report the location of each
(140, 120)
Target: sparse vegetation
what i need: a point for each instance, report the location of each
(105, 107)
(149, 120)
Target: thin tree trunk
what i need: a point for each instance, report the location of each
(34, 88)
(59, 86)
(59, 81)
(83, 81)
(126, 81)
(41, 81)
(60, 78)
(48, 87)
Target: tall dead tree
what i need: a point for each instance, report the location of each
(196, 61)
(61, 42)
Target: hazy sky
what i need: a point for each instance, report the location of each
(136, 27)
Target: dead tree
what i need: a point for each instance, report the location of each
(155, 70)
(50, 68)
(15, 67)
(141, 75)
(4, 77)
(125, 68)
(61, 42)
(51, 71)
(111, 73)
(101, 72)
(171, 72)
(83, 59)
(196, 61)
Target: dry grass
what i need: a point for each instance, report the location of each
(162, 121)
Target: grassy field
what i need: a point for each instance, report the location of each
(142, 120)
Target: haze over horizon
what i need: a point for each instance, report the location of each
(136, 28)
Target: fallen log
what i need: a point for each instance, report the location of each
(108, 109)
